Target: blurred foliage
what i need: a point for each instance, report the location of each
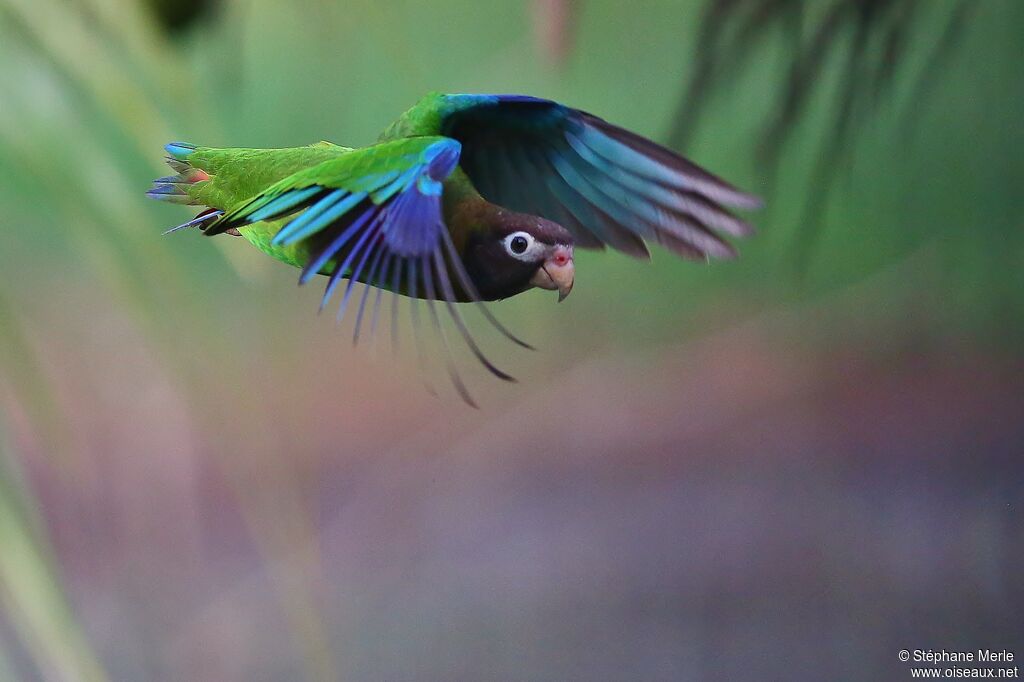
(31, 591)
(869, 37)
(885, 132)
(177, 15)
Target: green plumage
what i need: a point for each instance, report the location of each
(423, 118)
(238, 174)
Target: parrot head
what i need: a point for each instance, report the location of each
(518, 252)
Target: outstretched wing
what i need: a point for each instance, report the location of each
(374, 215)
(605, 184)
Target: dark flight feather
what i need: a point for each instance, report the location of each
(616, 187)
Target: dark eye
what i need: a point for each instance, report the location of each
(519, 245)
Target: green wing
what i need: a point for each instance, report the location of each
(379, 170)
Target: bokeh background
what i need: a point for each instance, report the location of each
(789, 466)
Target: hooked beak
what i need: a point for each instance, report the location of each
(557, 272)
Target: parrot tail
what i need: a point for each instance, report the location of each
(204, 217)
(174, 188)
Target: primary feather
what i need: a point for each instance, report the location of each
(613, 185)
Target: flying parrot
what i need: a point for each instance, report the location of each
(464, 198)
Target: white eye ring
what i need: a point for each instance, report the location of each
(521, 246)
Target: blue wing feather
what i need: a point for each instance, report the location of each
(650, 220)
(684, 202)
(316, 210)
(320, 260)
(291, 233)
(283, 204)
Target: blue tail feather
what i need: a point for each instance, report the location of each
(179, 150)
(175, 188)
(203, 217)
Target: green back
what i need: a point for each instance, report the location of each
(424, 118)
(239, 174)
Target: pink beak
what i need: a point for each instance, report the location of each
(557, 272)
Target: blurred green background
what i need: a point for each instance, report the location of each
(789, 466)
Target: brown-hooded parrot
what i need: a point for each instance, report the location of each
(465, 198)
